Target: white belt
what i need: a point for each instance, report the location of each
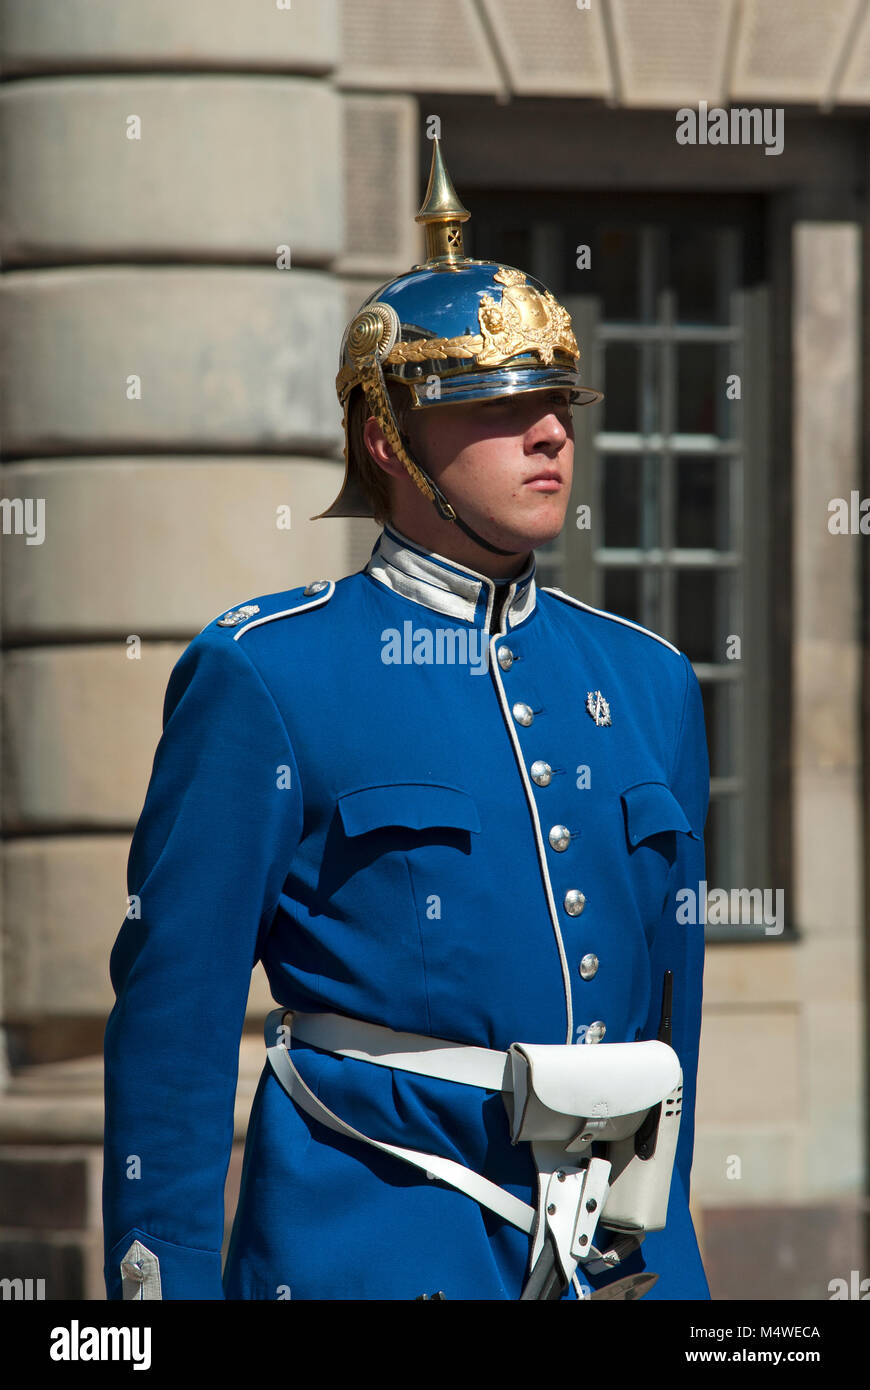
(559, 1108)
(370, 1043)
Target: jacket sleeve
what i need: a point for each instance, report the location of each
(210, 853)
(679, 943)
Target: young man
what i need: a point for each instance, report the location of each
(450, 812)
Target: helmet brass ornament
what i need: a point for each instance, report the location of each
(450, 330)
(442, 216)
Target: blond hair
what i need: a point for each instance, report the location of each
(373, 480)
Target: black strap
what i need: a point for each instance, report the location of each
(448, 512)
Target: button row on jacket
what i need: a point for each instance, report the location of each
(559, 837)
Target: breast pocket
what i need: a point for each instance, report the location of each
(654, 819)
(395, 850)
(652, 810)
(416, 807)
(388, 826)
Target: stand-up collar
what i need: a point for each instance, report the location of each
(445, 586)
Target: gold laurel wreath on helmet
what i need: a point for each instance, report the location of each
(371, 336)
(523, 321)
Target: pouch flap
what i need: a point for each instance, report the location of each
(651, 807)
(600, 1080)
(413, 805)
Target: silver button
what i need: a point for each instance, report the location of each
(588, 967)
(575, 901)
(316, 587)
(505, 658)
(560, 837)
(541, 773)
(523, 714)
(595, 1032)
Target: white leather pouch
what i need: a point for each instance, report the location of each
(562, 1090)
(625, 1095)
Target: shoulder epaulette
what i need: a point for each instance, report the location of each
(602, 613)
(272, 606)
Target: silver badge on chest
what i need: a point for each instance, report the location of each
(598, 707)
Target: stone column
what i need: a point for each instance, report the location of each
(827, 703)
(174, 213)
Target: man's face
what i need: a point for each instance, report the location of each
(505, 464)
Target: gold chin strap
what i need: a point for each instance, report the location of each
(375, 389)
(370, 338)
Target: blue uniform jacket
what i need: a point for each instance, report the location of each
(414, 821)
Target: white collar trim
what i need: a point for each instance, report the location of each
(444, 585)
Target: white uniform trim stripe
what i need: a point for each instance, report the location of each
(542, 853)
(285, 612)
(602, 613)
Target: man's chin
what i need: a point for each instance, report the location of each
(526, 534)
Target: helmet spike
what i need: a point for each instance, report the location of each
(442, 215)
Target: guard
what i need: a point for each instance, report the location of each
(450, 812)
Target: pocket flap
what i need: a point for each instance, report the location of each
(413, 805)
(651, 807)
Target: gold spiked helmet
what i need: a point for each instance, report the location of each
(450, 330)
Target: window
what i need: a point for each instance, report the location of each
(672, 325)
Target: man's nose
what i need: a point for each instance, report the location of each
(546, 430)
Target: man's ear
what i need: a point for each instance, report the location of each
(378, 447)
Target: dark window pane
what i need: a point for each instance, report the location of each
(700, 387)
(504, 241)
(616, 267)
(621, 594)
(696, 275)
(621, 387)
(720, 710)
(695, 615)
(722, 837)
(703, 512)
(621, 500)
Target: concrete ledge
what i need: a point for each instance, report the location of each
(159, 547)
(65, 899)
(219, 168)
(170, 357)
(80, 725)
(83, 35)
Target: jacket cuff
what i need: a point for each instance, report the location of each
(141, 1266)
